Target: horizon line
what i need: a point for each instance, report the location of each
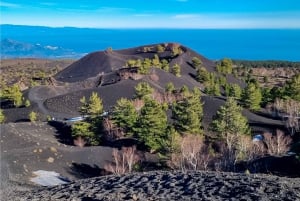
(165, 28)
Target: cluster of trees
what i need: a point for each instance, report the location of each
(175, 49)
(144, 118)
(225, 66)
(12, 93)
(266, 64)
(146, 64)
(180, 142)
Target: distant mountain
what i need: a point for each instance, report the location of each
(16, 49)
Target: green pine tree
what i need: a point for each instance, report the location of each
(14, 94)
(229, 120)
(169, 87)
(152, 125)
(85, 130)
(252, 97)
(196, 62)
(187, 113)
(235, 91)
(94, 105)
(292, 88)
(202, 75)
(125, 116)
(142, 90)
(176, 70)
(165, 65)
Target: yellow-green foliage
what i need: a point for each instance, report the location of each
(176, 70)
(32, 116)
(2, 117)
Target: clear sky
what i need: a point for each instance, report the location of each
(153, 13)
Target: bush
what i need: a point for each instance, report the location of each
(32, 116)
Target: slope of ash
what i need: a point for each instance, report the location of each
(174, 186)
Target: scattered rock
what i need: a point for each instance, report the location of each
(53, 149)
(50, 160)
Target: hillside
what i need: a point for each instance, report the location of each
(48, 143)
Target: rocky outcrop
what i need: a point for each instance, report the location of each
(173, 186)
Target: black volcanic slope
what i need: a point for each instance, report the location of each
(107, 63)
(96, 63)
(174, 186)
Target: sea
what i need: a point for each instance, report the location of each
(244, 44)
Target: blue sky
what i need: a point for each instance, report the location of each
(153, 14)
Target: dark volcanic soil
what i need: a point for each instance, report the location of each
(174, 186)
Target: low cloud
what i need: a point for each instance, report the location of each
(186, 16)
(9, 5)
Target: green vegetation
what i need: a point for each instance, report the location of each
(144, 65)
(252, 97)
(142, 90)
(2, 117)
(32, 116)
(90, 129)
(196, 62)
(202, 75)
(176, 70)
(176, 50)
(27, 103)
(13, 94)
(292, 88)
(85, 131)
(229, 120)
(170, 87)
(152, 126)
(266, 64)
(92, 107)
(160, 48)
(235, 91)
(187, 113)
(225, 66)
(125, 116)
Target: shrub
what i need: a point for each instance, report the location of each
(124, 160)
(32, 116)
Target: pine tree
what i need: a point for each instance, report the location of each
(94, 105)
(196, 62)
(292, 88)
(142, 90)
(160, 48)
(235, 91)
(176, 70)
(84, 130)
(169, 87)
(229, 121)
(165, 65)
(252, 97)
(187, 114)
(145, 67)
(202, 75)
(225, 66)
(156, 62)
(13, 94)
(151, 126)
(125, 116)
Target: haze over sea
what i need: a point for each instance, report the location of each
(248, 44)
